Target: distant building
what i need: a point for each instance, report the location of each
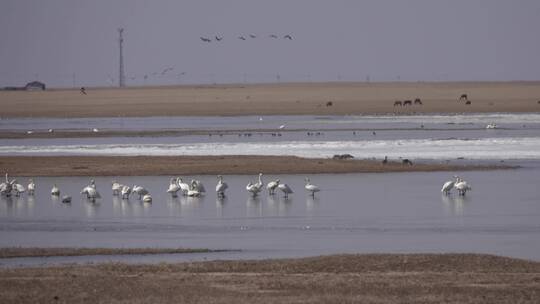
(35, 86)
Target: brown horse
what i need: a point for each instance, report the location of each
(407, 102)
(417, 101)
(463, 97)
(397, 103)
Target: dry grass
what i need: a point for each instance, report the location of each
(374, 278)
(296, 98)
(192, 165)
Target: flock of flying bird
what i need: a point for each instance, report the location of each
(193, 189)
(242, 37)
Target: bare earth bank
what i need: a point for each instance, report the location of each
(274, 99)
(373, 278)
(207, 165)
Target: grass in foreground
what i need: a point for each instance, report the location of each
(373, 278)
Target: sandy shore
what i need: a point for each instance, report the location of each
(203, 165)
(295, 98)
(372, 278)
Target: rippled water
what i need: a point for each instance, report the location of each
(393, 212)
(435, 137)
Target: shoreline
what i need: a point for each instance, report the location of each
(274, 99)
(347, 278)
(209, 165)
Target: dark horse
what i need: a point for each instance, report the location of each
(463, 97)
(407, 102)
(397, 103)
(417, 101)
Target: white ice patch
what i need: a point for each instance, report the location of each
(486, 148)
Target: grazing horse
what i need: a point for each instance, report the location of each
(463, 97)
(397, 103)
(418, 101)
(468, 102)
(407, 102)
(406, 161)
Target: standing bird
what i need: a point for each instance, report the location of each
(221, 187)
(285, 189)
(254, 189)
(447, 187)
(271, 186)
(116, 187)
(17, 187)
(183, 186)
(198, 185)
(126, 191)
(140, 191)
(462, 186)
(55, 191)
(31, 187)
(311, 188)
(173, 187)
(6, 187)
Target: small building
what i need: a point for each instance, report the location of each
(35, 86)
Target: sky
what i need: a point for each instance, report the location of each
(73, 43)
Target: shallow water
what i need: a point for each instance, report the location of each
(433, 137)
(390, 212)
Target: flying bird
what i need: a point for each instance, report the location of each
(219, 38)
(252, 36)
(205, 39)
(287, 37)
(273, 36)
(166, 70)
(242, 38)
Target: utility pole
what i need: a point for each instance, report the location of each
(121, 76)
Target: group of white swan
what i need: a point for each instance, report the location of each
(458, 183)
(194, 189)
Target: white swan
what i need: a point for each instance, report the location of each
(271, 186)
(447, 187)
(6, 187)
(116, 187)
(254, 189)
(147, 198)
(55, 190)
(31, 187)
(311, 188)
(183, 186)
(221, 187)
(126, 191)
(462, 186)
(198, 185)
(17, 187)
(139, 190)
(173, 187)
(285, 189)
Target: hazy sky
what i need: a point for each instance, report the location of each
(75, 42)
